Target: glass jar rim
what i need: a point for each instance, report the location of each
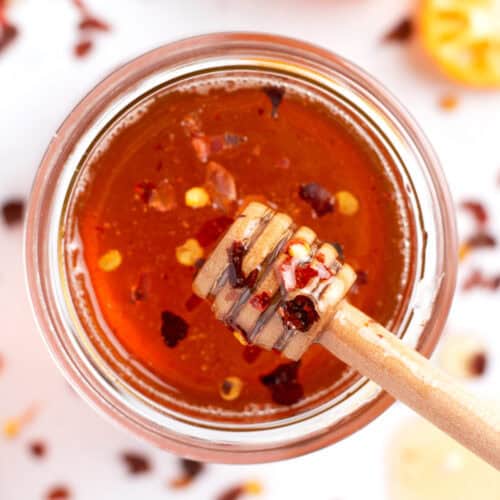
(173, 61)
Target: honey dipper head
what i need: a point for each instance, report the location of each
(274, 282)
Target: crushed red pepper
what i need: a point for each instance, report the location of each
(144, 190)
(477, 210)
(190, 470)
(478, 364)
(401, 32)
(8, 31)
(361, 277)
(141, 288)
(251, 353)
(361, 280)
(236, 276)
(173, 328)
(299, 313)
(232, 493)
(477, 279)
(261, 301)
(58, 492)
(481, 240)
(318, 197)
(135, 463)
(37, 448)
(81, 49)
(304, 273)
(88, 26)
(283, 383)
(13, 212)
(275, 95)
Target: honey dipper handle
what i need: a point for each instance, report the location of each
(409, 377)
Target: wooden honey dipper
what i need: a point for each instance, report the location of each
(284, 289)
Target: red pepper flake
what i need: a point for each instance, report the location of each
(58, 492)
(283, 163)
(236, 492)
(299, 313)
(193, 302)
(136, 463)
(173, 328)
(304, 273)
(221, 185)
(283, 383)
(144, 190)
(237, 279)
(251, 353)
(190, 470)
(233, 493)
(162, 197)
(477, 279)
(93, 23)
(319, 198)
(286, 274)
(478, 364)
(37, 448)
(141, 289)
(13, 212)
(82, 48)
(87, 26)
(361, 277)
(224, 142)
(251, 279)
(477, 210)
(261, 301)
(8, 32)
(191, 124)
(213, 229)
(401, 32)
(201, 148)
(481, 240)
(275, 95)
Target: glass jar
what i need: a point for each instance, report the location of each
(87, 369)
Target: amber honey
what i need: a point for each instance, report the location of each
(133, 214)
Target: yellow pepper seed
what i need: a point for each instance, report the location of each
(11, 428)
(240, 338)
(463, 251)
(300, 250)
(197, 197)
(110, 261)
(189, 252)
(253, 488)
(347, 203)
(230, 388)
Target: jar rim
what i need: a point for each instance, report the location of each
(192, 54)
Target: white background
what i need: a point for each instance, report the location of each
(40, 81)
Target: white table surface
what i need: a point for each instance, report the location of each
(40, 81)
